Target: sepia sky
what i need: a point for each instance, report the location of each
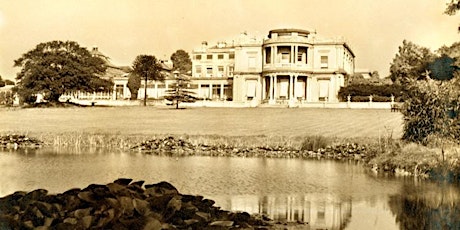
(123, 29)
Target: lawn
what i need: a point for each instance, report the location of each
(203, 121)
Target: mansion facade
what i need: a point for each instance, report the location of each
(289, 66)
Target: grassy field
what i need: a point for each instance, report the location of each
(341, 123)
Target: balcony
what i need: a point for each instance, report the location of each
(287, 67)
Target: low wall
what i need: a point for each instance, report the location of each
(231, 104)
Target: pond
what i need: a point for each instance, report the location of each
(323, 193)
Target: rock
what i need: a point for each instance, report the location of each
(117, 205)
(123, 181)
(222, 223)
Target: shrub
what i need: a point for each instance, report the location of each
(431, 111)
(364, 90)
(314, 143)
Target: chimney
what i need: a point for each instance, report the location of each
(204, 45)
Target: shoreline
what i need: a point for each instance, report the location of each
(381, 155)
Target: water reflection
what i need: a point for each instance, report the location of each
(432, 206)
(317, 210)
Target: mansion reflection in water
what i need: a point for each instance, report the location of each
(319, 211)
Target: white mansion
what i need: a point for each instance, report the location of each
(289, 66)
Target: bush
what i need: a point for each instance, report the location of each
(314, 143)
(379, 92)
(431, 111)
(6, 98)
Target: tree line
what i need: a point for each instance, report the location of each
(58, 67)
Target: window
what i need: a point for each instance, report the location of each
(230, 71)
(268, 55)
(220, 70)
(285, 57)
(220, 56)
(198, 57)
(209, 57)
(299, 57)
(302, 55)
(231, 56)
(324, 62)
(198, 69)
(209, 72)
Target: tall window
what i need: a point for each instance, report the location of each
(324, 62)
(230, 71)
(220, 71)
(268, 55)
(302, 55)
(209, 72)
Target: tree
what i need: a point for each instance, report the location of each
(2, 82)
(148, 68)
(411, 62)
(452, 51)
(134, 83)
(452, 7)
(442, 68)
(180, 90)
(57, 67)
(181, 62)
(431, 111)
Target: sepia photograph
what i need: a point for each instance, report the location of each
(230, 114)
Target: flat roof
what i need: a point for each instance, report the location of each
(300, 31)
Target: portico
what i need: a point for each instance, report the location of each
(285, 87)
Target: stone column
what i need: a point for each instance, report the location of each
(272, 57)
(291, 86)
(275, 57)
(292, 55)
(264, 87)
(275, 86)
(295, 86)
(270, 92)
(222, 91)
(114, 95)
(199, 90)
(210, 91)
(156, 90)
(307, 89)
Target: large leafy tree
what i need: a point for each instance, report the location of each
(181, 61)
(411, 62)
(147, 68)
(57, 67)
(180, 90)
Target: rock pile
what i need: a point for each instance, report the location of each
(14, 141)
(179, 147)
(122, 204)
